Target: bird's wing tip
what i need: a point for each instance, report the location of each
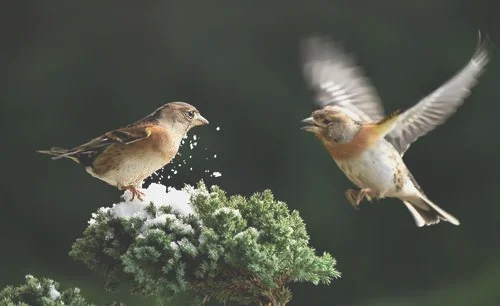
(484, 48)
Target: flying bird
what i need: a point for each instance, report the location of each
(367, 145)
(126, 156)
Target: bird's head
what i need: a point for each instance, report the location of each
(330, 125)
(178, 115)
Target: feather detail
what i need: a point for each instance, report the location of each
(378, 130)
(438, 106)
(385, 126)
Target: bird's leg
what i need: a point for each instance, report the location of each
(135, 192)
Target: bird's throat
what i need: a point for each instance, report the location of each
(352, 149)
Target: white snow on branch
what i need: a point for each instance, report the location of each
(228, 211)
(178, 200)
(53, 293)
(156, 221)
(248, 231)
(129, 210)
(175, 223)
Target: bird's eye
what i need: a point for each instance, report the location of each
(327, 121)
(190, 114)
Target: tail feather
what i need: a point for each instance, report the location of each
(427, 213)
(58, 153)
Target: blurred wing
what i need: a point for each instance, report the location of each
(337, 80)
(434, 109)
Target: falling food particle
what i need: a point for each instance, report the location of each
(168, 177)
(216, 174)
(194, 137)
(190, 168)
(175, 172)
(190, 156)
(217, 128)
(215, 155)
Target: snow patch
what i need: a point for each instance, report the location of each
(162, 220)
(127, 210)
(243, 233)
(178, 200)
(228, 211)
(53, 293)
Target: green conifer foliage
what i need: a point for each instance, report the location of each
(246, 250)
(43, 291)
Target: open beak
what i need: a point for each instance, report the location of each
(200, 120)
(310, 124)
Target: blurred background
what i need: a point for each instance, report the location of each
(75, 69)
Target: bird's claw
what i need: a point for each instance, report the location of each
(135, 192)
(352, 196)
(355, 197)
(366, 193)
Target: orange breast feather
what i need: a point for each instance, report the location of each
(361, 142)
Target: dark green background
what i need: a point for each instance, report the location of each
(71, 71)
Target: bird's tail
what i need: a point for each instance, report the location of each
(427, 213)
(57, 153)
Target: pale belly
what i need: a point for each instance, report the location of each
(133, 170)
(381, 169)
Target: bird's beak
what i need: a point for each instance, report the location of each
(310, 124)
(200, 120)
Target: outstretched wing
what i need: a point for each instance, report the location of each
(337, 80)
(434, 109)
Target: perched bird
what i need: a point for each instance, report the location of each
(126, 156)
(368, 146)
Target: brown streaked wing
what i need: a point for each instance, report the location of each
(124, 135)
(129, 134)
